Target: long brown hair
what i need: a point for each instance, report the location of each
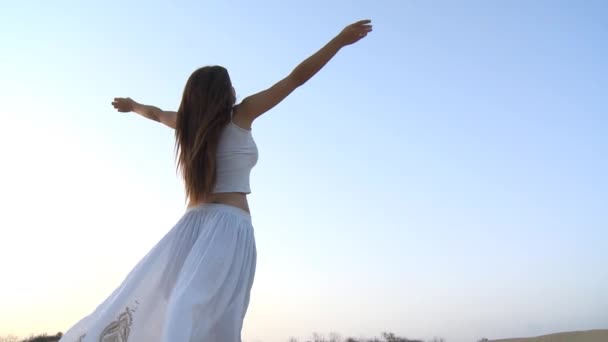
(204, 111)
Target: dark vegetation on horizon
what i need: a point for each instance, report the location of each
(333, 337)
(32, 338)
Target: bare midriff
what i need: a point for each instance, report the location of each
(236, 199)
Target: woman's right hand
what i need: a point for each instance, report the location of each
(123, 104)
(354, 32)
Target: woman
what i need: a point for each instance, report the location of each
(194, 285)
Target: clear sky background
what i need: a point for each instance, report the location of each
(446, 176)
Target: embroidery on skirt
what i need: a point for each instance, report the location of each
(118, 330)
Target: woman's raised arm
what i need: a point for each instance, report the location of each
(126, 104)
(255, 105)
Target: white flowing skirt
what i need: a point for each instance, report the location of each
(194, 285)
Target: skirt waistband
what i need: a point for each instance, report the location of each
(221, 207)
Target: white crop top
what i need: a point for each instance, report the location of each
(237, 154)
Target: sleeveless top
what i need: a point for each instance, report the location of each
(237, 154)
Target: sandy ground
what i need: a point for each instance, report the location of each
(574, 336)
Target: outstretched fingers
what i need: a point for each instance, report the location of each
(363, 27)
(363, 22)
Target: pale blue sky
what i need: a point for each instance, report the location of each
(446, 176)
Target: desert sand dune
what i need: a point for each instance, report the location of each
(573, 336)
